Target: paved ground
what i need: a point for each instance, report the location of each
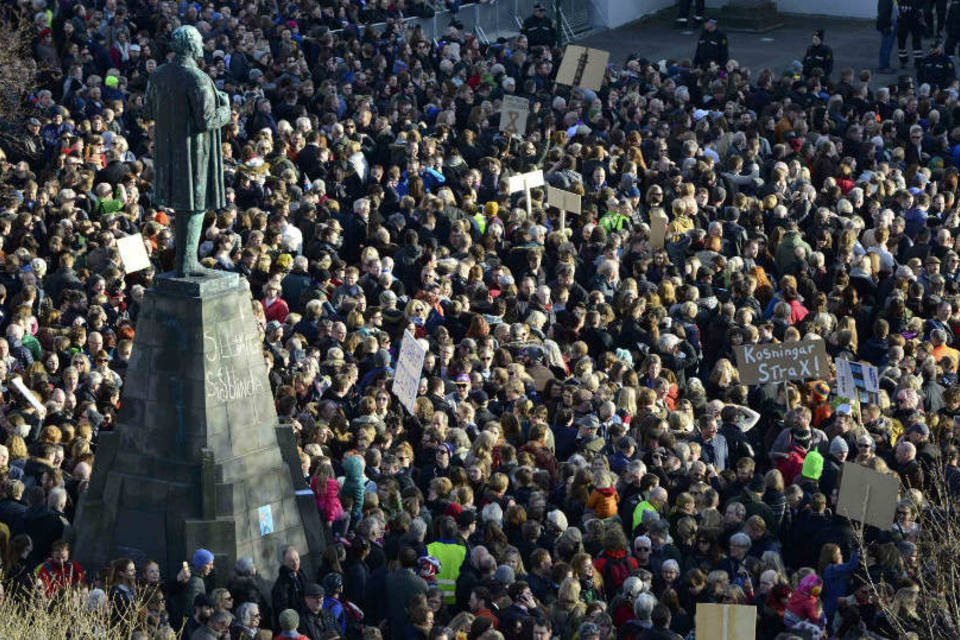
(855, 42)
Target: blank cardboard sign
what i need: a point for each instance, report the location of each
(133, 253)
(725, 622)
(868, 496)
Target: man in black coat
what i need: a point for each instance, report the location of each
(539, 28)
(712, 45)
(44, 523)
(11, 505)
(289, 589)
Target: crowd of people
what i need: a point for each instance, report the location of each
(582, 461)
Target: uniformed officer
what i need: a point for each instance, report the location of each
(712, 45)
(937, 68)
(818, 56)
(910, 24)
(539, 28)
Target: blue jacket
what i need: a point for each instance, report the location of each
(836, 584)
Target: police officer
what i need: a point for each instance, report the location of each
(683, 13)
(712, 45)
(818, 56)
(910, 25)
(937, 68)
(539, 28)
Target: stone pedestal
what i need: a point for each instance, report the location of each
(197, 458)
(755, 16)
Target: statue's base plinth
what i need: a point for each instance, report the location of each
(197, 458)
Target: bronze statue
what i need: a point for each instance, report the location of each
(188, 112)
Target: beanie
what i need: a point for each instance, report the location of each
(491, 208)
(111, 81)
(201, 558)
(838, 445)
(812, 465)
(289, 620)
(821, 390)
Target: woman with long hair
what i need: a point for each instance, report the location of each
(123, 589)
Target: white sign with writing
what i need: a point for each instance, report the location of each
(406, 381)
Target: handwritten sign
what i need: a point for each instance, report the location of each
(765, 363)
(217, 346)
(133, 253)
(406, 381)
(514, 111)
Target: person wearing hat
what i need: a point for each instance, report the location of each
(539, 28)
(818, 56)
(833, 463)
(712, 47)
(203, 608)
(451, 555)
(217, 626)
(288, 623)
(936, 69)
(201, 570)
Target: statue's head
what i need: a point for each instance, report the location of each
(187, 42)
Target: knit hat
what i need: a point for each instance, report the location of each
(821, 391)
(289, 620)
(812, 465)
(201, 558)
(505, 575)
(838, 445)
(558, 519)
(491, 208)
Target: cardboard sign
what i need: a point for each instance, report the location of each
(868, 496)
(857, 381)
(514, 111)
(406, 381)
(132, 253)
(658, 227)
(725, 621)
(764, 363)
(565, 201)
(583, 67)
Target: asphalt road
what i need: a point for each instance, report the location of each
(855, 43)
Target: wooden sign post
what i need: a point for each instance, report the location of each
(564, 201)
(524, 182)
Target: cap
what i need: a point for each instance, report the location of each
(844, 409)
(919, 427)
(203, 600)
(590, 421)
(558, 519)
(713, 19)
(289, 620)
(463, 378)
(273, 325)
(588, 629)
(632, 192)
(838, 445)
(479, 396)
(33, 121)
(201, 558)
(906, 273)
(313, 589)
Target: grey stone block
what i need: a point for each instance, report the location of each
(200, 385)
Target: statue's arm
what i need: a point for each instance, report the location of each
(210, 110)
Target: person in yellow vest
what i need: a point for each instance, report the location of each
(655, 502)
(451, 555)
(481, 218)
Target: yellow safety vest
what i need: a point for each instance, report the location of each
(451, 557)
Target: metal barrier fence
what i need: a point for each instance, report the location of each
(489, 20)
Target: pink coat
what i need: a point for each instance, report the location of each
(328, 501)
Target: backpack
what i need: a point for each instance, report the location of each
(791, 466)
(615, 571)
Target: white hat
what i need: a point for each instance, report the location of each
(558, 519)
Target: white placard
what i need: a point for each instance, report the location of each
(133, 253)
(18, 384)
(406, 380)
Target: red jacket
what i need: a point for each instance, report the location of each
(55, 578)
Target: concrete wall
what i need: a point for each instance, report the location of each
(615, 13)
